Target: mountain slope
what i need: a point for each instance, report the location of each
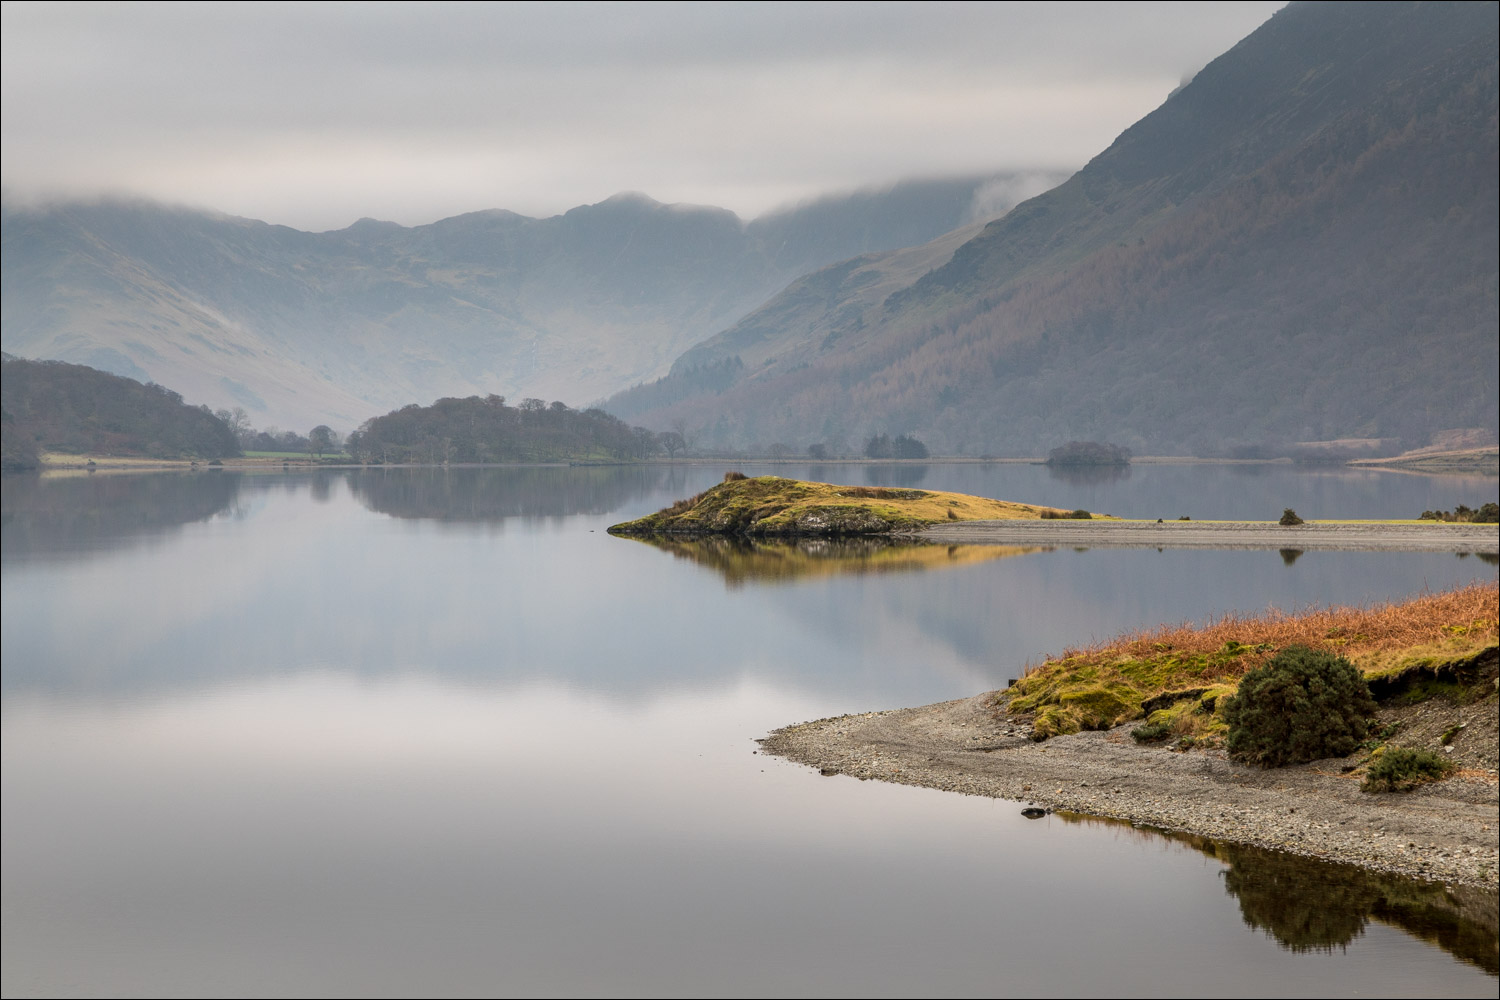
(1299, 244)
(303, 328)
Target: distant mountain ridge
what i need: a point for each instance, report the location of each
(1300, 244)
(301, 328)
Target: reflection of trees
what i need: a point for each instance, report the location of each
(1309, 905)
(490, 494)
(742, 560)
(1088, 475)
(50, 514)
(1290, 556)
(895, 475)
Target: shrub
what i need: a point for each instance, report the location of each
(1151, 732)
(1067, 515)
(1088, 453)
(731, 477)
(1303, 704)
(1404, 768)
(1488, 513)
(1289, 517)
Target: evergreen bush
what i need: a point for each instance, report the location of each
(1303, 704)
(1404, 768)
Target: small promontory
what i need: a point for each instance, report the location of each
(772, 506)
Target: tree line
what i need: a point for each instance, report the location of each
(56, 406)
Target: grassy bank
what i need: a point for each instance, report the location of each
(1174, 679)
(770, 505)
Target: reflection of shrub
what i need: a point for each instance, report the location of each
(1289, 517)
(1304, 704)
(1404, 768)
(1306, 905)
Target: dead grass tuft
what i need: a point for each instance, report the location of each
(1468, 617)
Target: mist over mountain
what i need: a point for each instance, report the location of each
(303, 328)
(1299, 244)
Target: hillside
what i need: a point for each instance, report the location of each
(1299, 245)
(52, 406)
(304, 328)
(485, 430)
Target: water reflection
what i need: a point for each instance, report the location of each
(1313, 906)
(79, 513)
(742, 560)
(1289, 557)
(895, 475)
(1088, 475)
(492, 494)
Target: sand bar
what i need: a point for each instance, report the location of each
(1446, 831)
(1365, 535)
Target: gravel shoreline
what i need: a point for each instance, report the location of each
(1433, 537)
(1446, 831)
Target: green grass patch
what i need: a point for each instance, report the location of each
(1178, 678)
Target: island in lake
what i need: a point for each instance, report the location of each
(771, 505)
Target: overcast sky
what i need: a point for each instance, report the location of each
(313, 115)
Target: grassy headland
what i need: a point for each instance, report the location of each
(770, 505)
(1175, 678)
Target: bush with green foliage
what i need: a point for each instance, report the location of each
(1088, 453)
(1488, 513)
(1303, 704)
(1404, 768)
(1289, 517)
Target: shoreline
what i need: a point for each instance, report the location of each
(1415, 536)
(1446, 831)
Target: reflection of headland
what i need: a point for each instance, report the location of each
(1310, 905)
(497, 493)
(58, 514)
(742, 560)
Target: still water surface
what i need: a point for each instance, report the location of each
(424, 732)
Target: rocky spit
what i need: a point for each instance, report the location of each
(1366, 536)
(1446, 831)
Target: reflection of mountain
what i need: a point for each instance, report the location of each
(496, 493)
(1309, 905)
(742, 560)
(87, 512)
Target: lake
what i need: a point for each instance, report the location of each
(434, 731)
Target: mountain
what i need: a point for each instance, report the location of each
(1298, 245)
(51, 405)
(302, 328)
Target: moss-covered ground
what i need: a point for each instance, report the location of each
(770, 505)
(1174, 679)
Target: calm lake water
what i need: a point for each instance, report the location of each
(427, 732)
